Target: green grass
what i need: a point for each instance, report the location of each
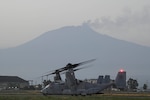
(36, 95)
(54, 97)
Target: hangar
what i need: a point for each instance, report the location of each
(12, 82)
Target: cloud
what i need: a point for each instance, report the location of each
(131, 26)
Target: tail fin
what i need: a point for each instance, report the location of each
(103, 80)
(120, 81)
(71, 80)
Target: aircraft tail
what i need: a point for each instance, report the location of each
(103, 80)
(71, 80)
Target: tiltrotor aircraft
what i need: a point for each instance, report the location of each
(71, 85)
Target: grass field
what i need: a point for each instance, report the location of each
(37, 96)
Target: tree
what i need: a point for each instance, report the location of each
(132, 84)
(46, 82)
(145, 86)
(39, 86)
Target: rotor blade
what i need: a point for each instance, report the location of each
(73, 70)
(82, 68)
(54, 72)
(69, 65)
(78, 69)
(85, 62)
(82, 63)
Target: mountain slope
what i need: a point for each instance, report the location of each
(54, 49)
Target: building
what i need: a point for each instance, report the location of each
(121, 80)
(12, 82)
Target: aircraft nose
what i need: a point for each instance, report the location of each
(44, 92)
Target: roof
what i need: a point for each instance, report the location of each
(11, 79)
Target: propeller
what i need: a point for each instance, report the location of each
(78, 69)
(69, 65)
(54, 72)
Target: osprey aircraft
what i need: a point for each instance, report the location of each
(71, 85)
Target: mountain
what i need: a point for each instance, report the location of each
(74, 44)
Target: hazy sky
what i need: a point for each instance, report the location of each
(23, 20)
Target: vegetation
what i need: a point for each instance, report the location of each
(36, 95)
(132, 84)
(60, 97)
(145, 86)
(46, 82)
